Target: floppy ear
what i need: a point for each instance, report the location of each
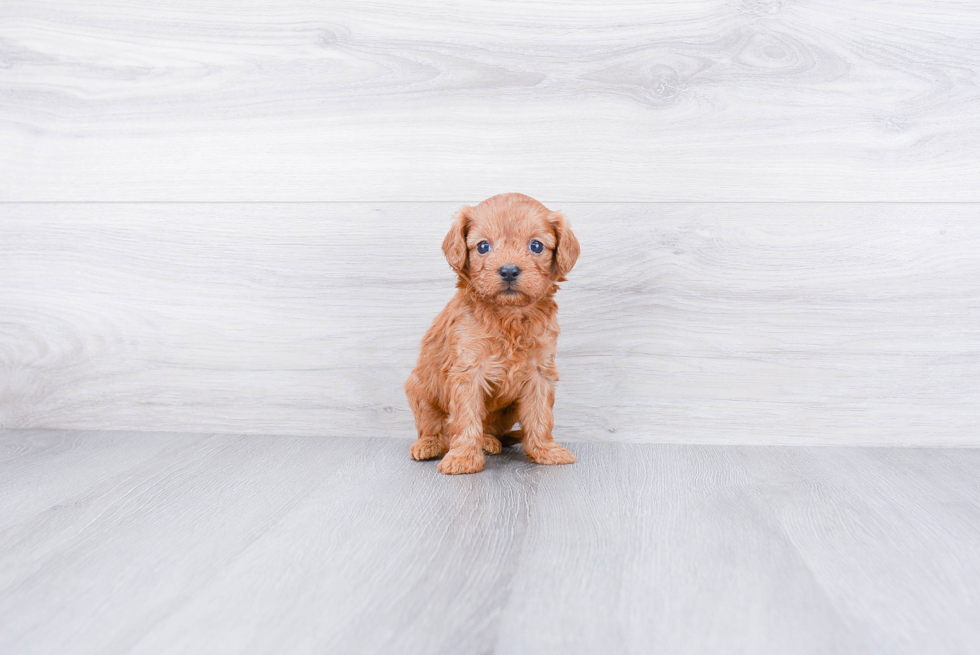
(454, 245)
(567, 250)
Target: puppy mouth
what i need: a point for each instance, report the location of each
(511, 293)
(512, 296)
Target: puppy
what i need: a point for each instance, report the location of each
(488, 361)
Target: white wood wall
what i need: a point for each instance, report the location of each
(429, 100)
(775, 201)
(748, 323)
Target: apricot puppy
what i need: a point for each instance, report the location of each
(488, 361)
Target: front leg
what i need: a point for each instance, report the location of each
(535, 411)
(466, 412)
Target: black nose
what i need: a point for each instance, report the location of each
(509, 272)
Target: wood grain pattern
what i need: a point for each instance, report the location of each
(392, 100)
(253, 544)
(731, 323)
(749, 550)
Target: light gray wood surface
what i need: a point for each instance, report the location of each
(429, 100)
(165, 543)
(710, 323)
(802, 321)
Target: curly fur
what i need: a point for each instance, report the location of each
(488, 361)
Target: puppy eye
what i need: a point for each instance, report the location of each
(536, 246)
(483, 247)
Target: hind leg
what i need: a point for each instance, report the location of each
(497, 433)
(432, 441)
(490, 442)
(511, 438)
(429, 447)
(430, 421)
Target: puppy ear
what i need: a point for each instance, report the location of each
(454, 245)
(567, 250)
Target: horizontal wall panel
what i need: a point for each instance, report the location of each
(704, 323)
(709, 100)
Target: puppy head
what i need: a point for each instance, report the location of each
(510, 249)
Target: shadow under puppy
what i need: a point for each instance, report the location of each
(488, 361)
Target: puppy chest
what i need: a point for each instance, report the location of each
(505, 387)
(507, 378)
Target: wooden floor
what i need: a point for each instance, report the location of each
(114, 542)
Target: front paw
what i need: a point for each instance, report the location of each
(460, 461)
(551, 455)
